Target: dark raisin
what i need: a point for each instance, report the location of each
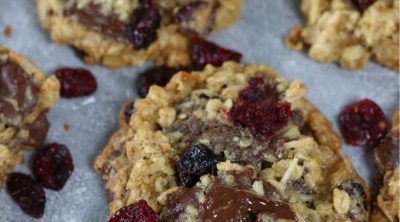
(138, 212)
(76, 82)
(144, 22)
(363, 123)
(53, 166)
(198, 160)
(363, 4)
(128, 111)
(155, 76)
(205, 52)
(27, 193)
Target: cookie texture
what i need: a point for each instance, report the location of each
(292, 163)
(131, 32)
(26, 95)
(387, 205)
(339, 31)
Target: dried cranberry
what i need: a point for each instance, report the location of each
(363, 4)
(258, 109)
(363, 123)
(198, 160)
(76, 82)
(155, 76)
(27, 193)
(263, 118)
(138, 212)
(53, 166)
(145, 21)
(205, 52)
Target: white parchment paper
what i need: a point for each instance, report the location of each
(258, 35)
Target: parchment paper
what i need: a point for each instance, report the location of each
(258, 35)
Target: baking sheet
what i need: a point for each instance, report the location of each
(258, 35)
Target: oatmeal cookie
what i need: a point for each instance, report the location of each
(387, 205)
(130, 32)
(238, 130)
(25, 97)
(349, 33)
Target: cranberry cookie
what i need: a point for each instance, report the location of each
(130, 32)
(25, 97)
(387, 206)
(237, 131)
(350, 32)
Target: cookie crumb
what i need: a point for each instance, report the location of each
(7, 31)
(67, 127)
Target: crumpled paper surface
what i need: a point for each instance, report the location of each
(258, 35)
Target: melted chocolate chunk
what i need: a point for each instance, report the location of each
(16, 84)
(37, 131)
(178, 201)
(227, 202)
(224, 138)
(238, 204)
(19, 96)
(387, 153)
(91, 16)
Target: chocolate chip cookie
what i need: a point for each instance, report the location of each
(350, 32)
(26, 95)
(239, 136)
(130, 32)
(387, 205)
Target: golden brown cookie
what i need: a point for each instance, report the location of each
(26, 95)
(339, 31)
(131, 32)
(387, 205)
(240, 117)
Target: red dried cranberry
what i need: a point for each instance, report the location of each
(138, 212)
(363, 4)
(363, 123)
(76, 82)
(258, 109)
(263, 118)
(197, 161)
(155, 76)
(145, 21)
(205, 52)
(53, 166)
(27, 193)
